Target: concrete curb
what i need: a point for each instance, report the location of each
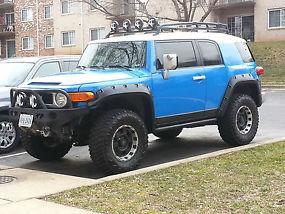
(186, 160)
(274, 87)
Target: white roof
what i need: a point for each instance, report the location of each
(220, 38)
(38, 58)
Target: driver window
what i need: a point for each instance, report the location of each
(184, 50)
(48, 69)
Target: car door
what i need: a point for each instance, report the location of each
(215, 73)
(185, 90)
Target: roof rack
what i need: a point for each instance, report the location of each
(154, 27)
(194, 27)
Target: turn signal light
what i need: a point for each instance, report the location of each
(81, 96)
(259, 71)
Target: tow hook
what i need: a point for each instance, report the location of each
(45, 131)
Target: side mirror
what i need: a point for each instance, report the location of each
(170, 62)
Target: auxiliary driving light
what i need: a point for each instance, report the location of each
(115, 26)
(152, 23)
(127, 25)
(139, 24)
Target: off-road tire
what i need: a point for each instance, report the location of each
(228, 127)
(4, 120)
(102, 135)
(44, 148)
(168, 134)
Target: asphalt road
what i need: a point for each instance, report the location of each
(191, 142)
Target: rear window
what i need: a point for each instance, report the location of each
(244, 52)
(210, 53)
(69, 65)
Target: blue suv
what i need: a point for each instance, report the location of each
(127, 87)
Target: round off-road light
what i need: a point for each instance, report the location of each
(127, 25)
(139, 24)
(60, 100)
(152, 23)
(114, 26)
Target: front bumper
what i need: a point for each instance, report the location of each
(60, 122)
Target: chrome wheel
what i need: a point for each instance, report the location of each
(7, 134)
(125, 143)
(244, 120)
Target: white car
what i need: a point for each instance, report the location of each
(15, 71)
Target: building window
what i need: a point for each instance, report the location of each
(277, 18)
(49, 41)
(68, 38)
(27, 43)
(48, 12)
(9, 18)
(66, 7)
(27, 15)
(242, 26)
(97, 33)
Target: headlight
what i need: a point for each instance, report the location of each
(60, 100)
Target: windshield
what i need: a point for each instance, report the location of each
(115, 54)
(13, 74)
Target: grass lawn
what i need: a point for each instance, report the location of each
(250, 181)
(271, 56)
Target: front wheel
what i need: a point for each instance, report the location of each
(44, 148)
(9, 135)
(240, 122)
(118, 141)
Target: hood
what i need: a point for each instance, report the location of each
(84, 77)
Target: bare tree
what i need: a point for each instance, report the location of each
(120, 9)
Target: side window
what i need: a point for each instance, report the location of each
(210, 53)
(184, 50)
(244, 52)
(48, 69)
(69, 65)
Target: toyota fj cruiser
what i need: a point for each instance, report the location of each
(128, 86)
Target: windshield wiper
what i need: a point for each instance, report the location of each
(120, 66)
(81, 66)
(96, 66)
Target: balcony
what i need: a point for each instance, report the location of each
(233, 4)
(6, 4)
(7, 30)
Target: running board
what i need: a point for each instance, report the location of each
(206, 122)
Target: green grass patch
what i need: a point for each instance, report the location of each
(250, 181)
(271, 56)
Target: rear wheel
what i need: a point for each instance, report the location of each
(9, 135)
(118, 141)
(168, 134)
(44, 148)
(240, 122)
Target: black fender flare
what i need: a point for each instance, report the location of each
(235, 82)
(109, 92)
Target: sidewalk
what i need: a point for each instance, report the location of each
(21, 195)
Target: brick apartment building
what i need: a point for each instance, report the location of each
(47, 27)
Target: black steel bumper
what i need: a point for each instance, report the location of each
(55, 119)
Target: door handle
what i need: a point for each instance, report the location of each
(199, 77)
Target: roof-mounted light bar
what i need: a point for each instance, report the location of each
(138, 27)
(153, 26)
